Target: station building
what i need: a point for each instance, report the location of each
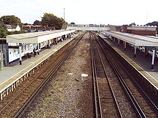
(140, 29)
(22, 46)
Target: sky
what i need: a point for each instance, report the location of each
(113, 12)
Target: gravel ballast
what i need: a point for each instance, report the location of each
(69, 93)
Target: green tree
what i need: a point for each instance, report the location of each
(10, 19)
(2, 25)
(50, 20)
(133, 23)
(154, 23)
(3, 33)
(36, 22)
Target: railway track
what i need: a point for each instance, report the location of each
(115, 94)
(18, 101)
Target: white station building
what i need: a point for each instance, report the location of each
(23, 45)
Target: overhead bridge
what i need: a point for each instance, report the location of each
(88, 27)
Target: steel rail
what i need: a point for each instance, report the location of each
(97, 104)
(27, 104)
(96, 90)
(110, 86)
(38, 84)
(135, 104)
(95, 83)
(149, 99)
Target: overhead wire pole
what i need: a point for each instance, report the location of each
(63, 5)
(64, 13)
(146, 17)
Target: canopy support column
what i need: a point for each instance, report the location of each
(38, 48)
(124, 45)
(118, 42)
(153, 58)
(114, 39)
(48, 43)
(1, 59)
(135, 51)
(20, 57)
(65, 36)
(146, 52)
(61, 38)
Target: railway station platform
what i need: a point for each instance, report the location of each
(140, 60)
(7, 73)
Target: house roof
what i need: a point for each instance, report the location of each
(10, 26)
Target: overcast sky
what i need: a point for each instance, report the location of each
(115, 12)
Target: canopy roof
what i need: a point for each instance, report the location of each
(136, 40)
(36, 37)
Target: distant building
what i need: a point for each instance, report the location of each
(12, 28)
(139, 30)
(36, 28)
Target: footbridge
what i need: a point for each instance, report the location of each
(88, 27)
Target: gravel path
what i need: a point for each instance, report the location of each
(69, 93)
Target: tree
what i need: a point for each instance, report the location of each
(73, 23)
(2, 25)
(154, 23)
(50, 20)
(133, 23)
(10, 19)
(36, 22)
(26, 24)
(3, 33)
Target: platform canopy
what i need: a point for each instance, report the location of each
(36, 37)
(136, 40)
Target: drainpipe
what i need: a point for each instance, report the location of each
(135, 51)
(153, 58)
(20, 57)
(125, 45)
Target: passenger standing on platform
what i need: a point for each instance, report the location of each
(38, 52)
(34, 52)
